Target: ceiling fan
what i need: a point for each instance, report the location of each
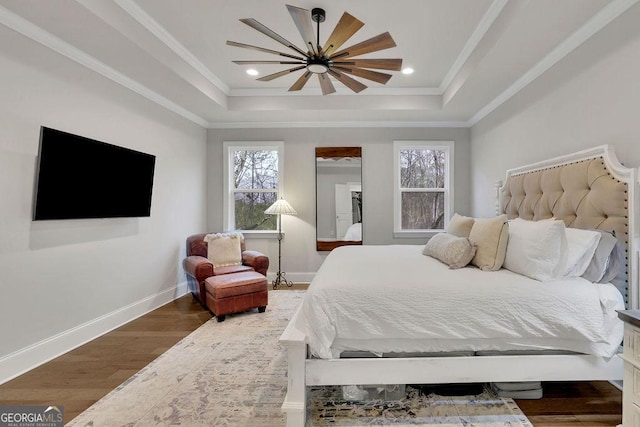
(326, 60)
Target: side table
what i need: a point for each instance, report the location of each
(631, 378)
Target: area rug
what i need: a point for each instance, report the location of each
(233, 374)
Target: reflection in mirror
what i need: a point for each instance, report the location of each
(338, 197)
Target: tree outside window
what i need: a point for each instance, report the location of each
(422, 186)
(254, 185)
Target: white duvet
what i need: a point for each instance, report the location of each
(394, 299)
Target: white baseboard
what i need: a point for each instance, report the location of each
(28, 358)
(617, 384)
(294, 277)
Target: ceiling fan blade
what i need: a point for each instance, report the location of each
(262, 49)
(374, 44)
(347, 26)
(352, 84)
(299, 84)
(302, 19)
(366, 74)
(325, 84)
(269, 33)
(280, 74)
(379, 64)
(267, 62)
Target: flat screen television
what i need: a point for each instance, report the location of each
(79, 177)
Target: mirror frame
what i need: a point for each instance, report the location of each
(334, 152)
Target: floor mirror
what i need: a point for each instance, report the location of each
(338, 197)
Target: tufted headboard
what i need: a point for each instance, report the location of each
(590, 189)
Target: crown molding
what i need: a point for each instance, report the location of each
(340, 91)
(32, 31)
(144, 19)
(592, 26)
(332, 124)
(478, 34)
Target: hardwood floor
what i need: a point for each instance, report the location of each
(81, 377)
(594, 403)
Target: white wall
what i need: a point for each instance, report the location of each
(590, 98)
(299, 257)
(65, 282)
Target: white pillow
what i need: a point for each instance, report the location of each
(581, 245)
(537, 249)
(224, 249)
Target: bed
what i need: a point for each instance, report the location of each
(492, 337)
(354, 232)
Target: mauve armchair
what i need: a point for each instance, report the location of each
(198, 267)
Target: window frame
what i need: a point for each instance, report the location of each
(448, 148)
(227, 198)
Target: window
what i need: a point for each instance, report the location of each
(253, 180)
(423, 194)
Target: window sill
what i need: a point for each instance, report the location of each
(415, 234)
(261, 234)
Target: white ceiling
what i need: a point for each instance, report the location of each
(469, 56)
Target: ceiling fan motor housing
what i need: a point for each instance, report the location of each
(317, 14)
(318, 64)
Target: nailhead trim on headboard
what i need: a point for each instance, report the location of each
(578, 192)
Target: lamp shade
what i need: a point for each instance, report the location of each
(281, 207)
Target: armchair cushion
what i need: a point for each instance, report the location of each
(230, 269)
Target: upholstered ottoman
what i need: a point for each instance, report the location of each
(234, 293)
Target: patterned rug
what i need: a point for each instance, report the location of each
(233, 374)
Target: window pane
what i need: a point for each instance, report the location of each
(255, 169)
(422, 211)
(249, 209)
(422, 168)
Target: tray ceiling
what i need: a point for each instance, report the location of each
(469, 56)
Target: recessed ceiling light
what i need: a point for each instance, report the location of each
(252, 72)
(407, 70)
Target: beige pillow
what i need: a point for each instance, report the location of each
(454, 251)
(460, 225)
(223, 249)
(490, 235)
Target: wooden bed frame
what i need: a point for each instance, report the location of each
(304, 371)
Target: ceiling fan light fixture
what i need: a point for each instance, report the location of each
(317, 68)
(252, 72)
(317, 65)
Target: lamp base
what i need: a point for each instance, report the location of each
(281, 280)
